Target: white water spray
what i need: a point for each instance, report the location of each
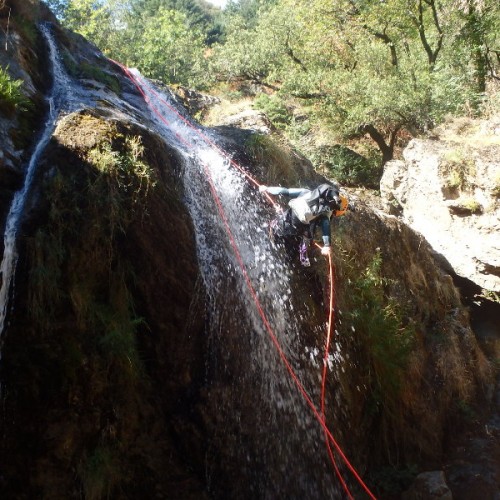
(234, 310)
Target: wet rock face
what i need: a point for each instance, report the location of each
(196, 102)
(96, 402)
(429, 486)
(114, 381)
(20, 59)
(448, 190)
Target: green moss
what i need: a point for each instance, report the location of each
(89, 71)
(77, 264)
(70, 64)
(92, 72)
(27, 29)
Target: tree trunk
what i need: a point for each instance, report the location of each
(387, 150)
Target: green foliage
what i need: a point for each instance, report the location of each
(274, 108)
(490, 295)
(200, 15)
(164, 40)
(471, 205)
(58, 7)
(459, 168)
(248, 10)
(346, 166)
(11, 96)
(92, 19)
(123, 173)
(381, 70)
(76, 260)
(170, 50)
(372, 67)
(385, 338)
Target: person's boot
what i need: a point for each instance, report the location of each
(304, 258)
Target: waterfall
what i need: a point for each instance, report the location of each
(56, 99)
(273, 445)
(289, 457)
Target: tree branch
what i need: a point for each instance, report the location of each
(387, 40)
(387, 150)
(431, 54)
(291, 54)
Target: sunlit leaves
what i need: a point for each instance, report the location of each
(169, 49)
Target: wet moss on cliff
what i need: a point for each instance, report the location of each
(90, 274)
(85, 70)
(87, 345)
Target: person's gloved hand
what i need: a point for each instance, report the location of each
(325, 250)
(262, 189)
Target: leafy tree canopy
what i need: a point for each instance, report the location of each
(365, 68)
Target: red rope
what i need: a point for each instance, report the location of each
(250, 287)
(205, 137)
(331, 324)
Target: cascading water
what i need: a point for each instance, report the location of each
(57, 100)
(264, 441)
(286, 454)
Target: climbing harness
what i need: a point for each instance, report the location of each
(318, 414)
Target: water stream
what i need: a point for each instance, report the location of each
(272, 445)
(65, 95)
(56, 99)
(288, 453)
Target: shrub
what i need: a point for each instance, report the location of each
(471, 205)
(459, 169)
(385, 338)
(11, 97)
(274, 108)
(346, 166)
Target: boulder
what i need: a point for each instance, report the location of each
(448, 190)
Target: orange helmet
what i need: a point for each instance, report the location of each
(344, 202)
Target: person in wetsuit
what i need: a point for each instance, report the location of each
(307, 210)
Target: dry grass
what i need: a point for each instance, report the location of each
(470, 132)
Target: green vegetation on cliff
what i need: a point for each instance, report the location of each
(11, 96)
(368, 74)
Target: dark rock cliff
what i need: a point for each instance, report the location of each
(113, 381)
